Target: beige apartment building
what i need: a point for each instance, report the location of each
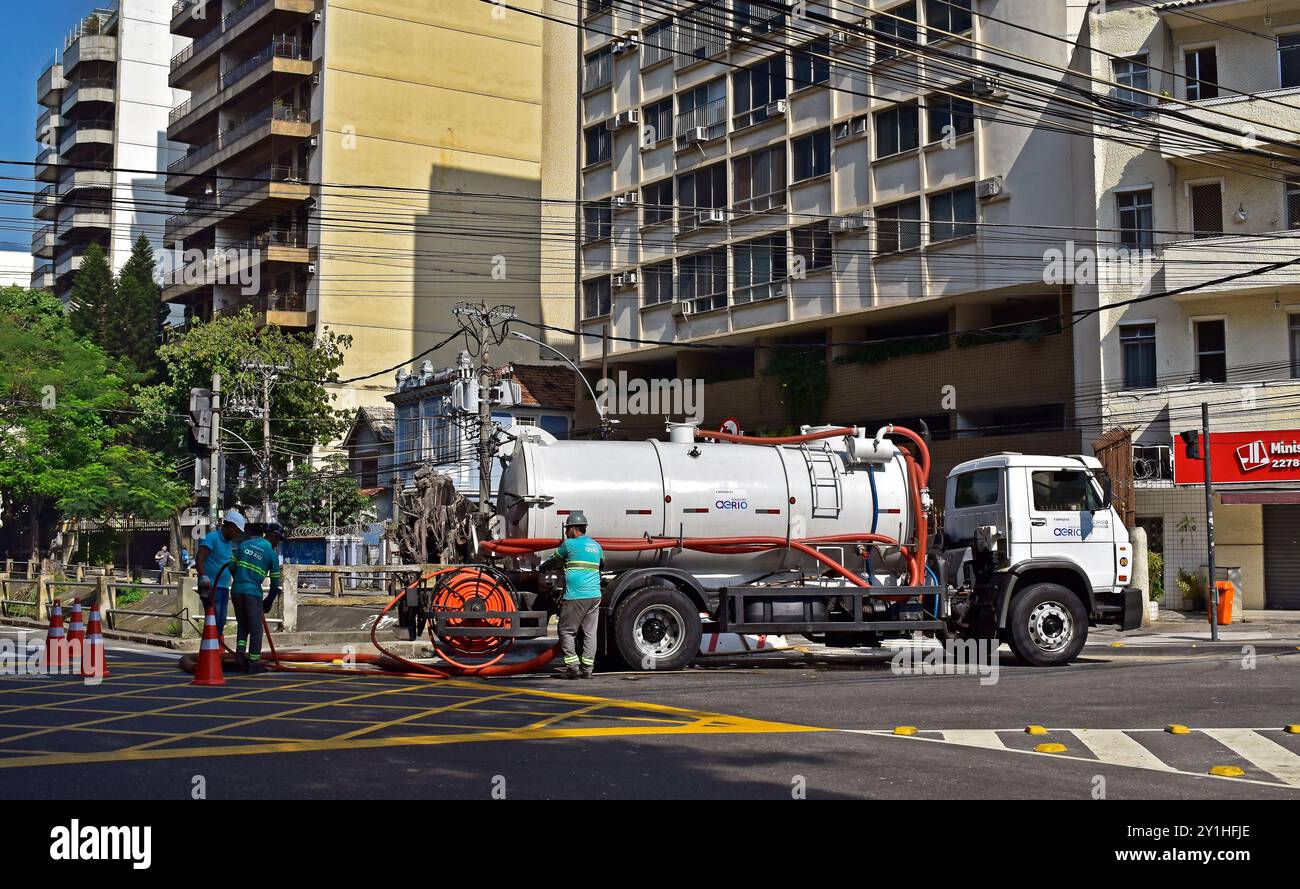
(1211, 195)
(378, 161)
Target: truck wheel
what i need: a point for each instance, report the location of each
(1047, 625)
(657, 628)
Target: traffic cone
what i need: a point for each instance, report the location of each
(76, 643)
(93, 660)
(56, 640)
(207, 670)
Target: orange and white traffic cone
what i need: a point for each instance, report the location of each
(207, 670)
(76, 643)
(56, 640)
(93, 660)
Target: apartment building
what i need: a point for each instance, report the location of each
(369, 171)
(102, 135)
(845, 177)
(1203, 191)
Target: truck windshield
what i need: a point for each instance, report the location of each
(1065, 490)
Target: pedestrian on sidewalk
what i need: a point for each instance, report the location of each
(583, 559)
(163, 558)
(255, 560)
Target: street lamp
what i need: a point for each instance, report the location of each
(605, 421)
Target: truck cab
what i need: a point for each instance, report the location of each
(1038, 552)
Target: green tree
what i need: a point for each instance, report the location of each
(134, 305)
(302, 406)
(62, 453)
(92, 296)
(328, 495)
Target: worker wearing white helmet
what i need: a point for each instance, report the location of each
(582, 558)
(215, 552)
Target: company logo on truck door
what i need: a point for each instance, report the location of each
(732, 500)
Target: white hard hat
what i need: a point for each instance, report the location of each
(235, 518)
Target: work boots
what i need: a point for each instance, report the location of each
(571, 673)
(256, 666)
(586, 672)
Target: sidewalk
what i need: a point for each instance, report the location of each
(1275, 628)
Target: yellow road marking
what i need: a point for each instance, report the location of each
(410, 717)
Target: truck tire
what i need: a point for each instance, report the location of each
(1047, 625)
(657, 628)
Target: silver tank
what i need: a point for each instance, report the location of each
(705, 489)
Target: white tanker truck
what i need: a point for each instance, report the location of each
(825, 535)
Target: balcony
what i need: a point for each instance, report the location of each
(85, 139)
(47, 123)
(78, 223)
(248, 201)
(45, 203)
(43, 276)
(1188, 263)
(711, 117)
(82, 97)
(89, 48)
(231, 264)
(79, 180)
(47, 164)
(288, 57)
(278, 120)
(194, 18)
(43, 242)
(68, 263)
(50, 85)
(1271, 115)
(276, 15)
(281, 308)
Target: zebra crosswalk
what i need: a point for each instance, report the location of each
(1265, 755)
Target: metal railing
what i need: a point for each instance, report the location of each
(710, 115)
(272, 238)
(196, 208)
(598, 72)
(275, 301)
(237, 132)
(232, 19)
(278, 49)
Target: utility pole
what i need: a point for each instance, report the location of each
(214, 469)
(1209, 520)
(266, 447)
(484, 438)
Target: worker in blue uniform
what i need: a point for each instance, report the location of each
(215, 551)
(255, 560)
(583, 559)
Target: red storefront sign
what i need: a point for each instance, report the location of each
(1242, 458)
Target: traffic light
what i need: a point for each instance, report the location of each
(1191, 444)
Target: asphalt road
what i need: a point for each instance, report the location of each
(774, 727)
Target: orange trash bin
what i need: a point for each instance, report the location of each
(1226, 591)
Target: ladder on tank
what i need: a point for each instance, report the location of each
(824, 476)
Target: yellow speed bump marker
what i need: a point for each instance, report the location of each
(905, 730)
(1178, 729)
(1035, 730)
(1292, 729)
(1227, 771)
(1050, 748)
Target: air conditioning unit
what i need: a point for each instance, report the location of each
(712, 216)
(629, 118)
(628, 43)
(987, 88)
(854, 222)
(840, 38)
(988, 189)
(695, 136)
(625, 280)
(681, 309)
(776, 108)
(842, 131)
(860, 126)
(629, 199)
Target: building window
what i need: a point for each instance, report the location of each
(699, 191)
(1294, 332)
(760, 269)
(594, 6)
(1134, 79)
(704, 107)
(1288, 50)
(953, 214)
(758, 18)
(596, 298)
(812, 155)
(656, 123)
(657, 43)
(1201, 67)
(597, 221)
(598, 70)
(948, 117)
(952, 16)
(702, 280)
(658, 283)
(759, 180)
(1206, 201)
(812, 245)
(701, 34)
(899, 22)
(1211, 352)
(596, 143)
(897, 130)
(1137, 346)
(898, 227)
(367, 472)
(1135, 219)
(657, 202)
(755, 87)
(812, 64)
(1293, 201)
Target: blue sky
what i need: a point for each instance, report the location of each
(32, 32)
